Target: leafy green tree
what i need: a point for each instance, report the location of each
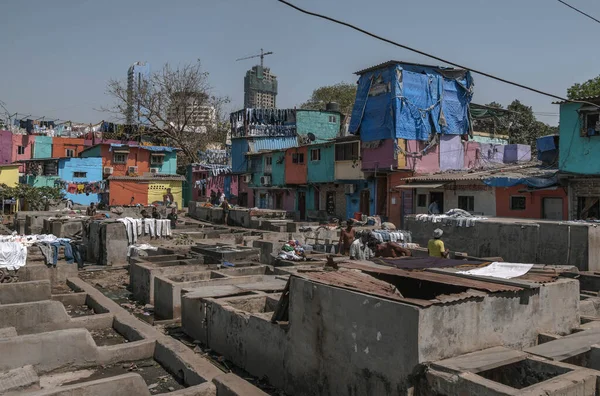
(35, 198)
(341, 93)
(586, 89)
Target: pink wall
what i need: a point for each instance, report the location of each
(381, 157)
(25, 141)
(5, 147)
(289, 201)
(243, 188)
(472, 152)
(428, 163)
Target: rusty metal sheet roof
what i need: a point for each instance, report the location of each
(531, 169)
(435, 277)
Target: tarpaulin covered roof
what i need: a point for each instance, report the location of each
(409, 101)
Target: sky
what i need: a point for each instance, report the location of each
(59, 55)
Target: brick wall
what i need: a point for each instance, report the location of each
(583, 188)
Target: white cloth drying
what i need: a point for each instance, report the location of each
(500, 270)
(13, 255)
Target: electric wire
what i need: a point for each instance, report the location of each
(420, 52)
(579, 11)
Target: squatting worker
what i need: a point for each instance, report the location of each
(91, 210)
(347, 236)
(435, 246)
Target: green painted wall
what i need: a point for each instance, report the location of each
(256, 166)
(577, 154)
(323, 170)
(41, 181)
(92, 152)
(169, 165)
(319, 123)
(278, 170)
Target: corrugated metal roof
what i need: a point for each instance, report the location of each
(149, 178)
(587, 99)
(514, 171)
(434, 277)
(396, 62)
(271, 143)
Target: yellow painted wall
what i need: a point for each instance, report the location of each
(9, 175)
(401, 157)
(157, 190)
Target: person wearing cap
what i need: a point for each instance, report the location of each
(347, 236)
(435, 246)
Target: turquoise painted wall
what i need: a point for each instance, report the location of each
(41, 181)
(256, 166)
(278, 170)
(577, 154)
(317, 122)
(92, 152)
(323, 170)
(169, 165)
(42, 147)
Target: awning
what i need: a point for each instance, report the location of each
(528, 190)
(422, 185)
(158, 154)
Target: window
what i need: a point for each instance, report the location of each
(315, 155)
(20, 150)
(591, 123)
(518, 203)
(332, 119)
(298, 158)
(422, 200)
(157, 159)
(268, 161)
(466, 203)
(119, 158)
(588, 208)
(69, 153)
(79, 174)
(346, 151)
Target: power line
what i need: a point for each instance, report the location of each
(579, 11)
(430, 55)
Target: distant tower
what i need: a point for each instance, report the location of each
(138, 74)
(260, 88)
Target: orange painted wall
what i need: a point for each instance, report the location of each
(296, 173)
(60, 145)
(137, 157)
(534, 202)
(121, 192)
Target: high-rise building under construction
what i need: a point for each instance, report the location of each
(260, 88)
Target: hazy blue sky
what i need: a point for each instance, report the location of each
(58, 55)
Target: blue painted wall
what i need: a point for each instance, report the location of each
(577, 154)
(353, 200)
(318, 123)
(42, 147)
(323, 170)
(239, 147)
(93, 169)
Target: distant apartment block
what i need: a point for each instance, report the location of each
(260, 88)
(137, 75)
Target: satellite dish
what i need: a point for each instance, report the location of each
(311, 136)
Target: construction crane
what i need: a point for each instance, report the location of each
(262, 56)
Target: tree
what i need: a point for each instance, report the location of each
(341, 93)
(35, 198)
(589, 88)
(519, 123)
(176, 104)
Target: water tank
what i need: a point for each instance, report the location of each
(332, 106)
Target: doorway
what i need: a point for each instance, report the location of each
(365, 198)
(439, 197)
(552, 208)
(302, 204)
(382, 192)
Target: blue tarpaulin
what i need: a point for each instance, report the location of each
(411, 102)
(533, 182)
(545, 143)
